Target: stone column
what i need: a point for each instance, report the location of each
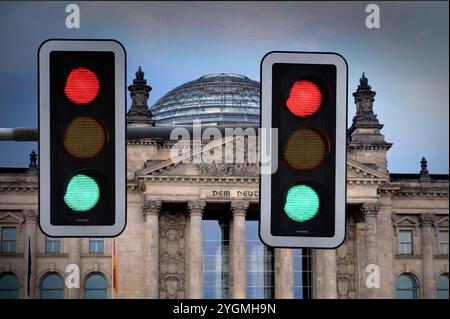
(325, 274)
(386, 238)
(30, 236)
(75, 258)
(230, 256)
(196, 249)
(427, 221)
(150, 212)
(317, 274)
(239, 253)
(328, 257)
(370, 212)
(284, 273)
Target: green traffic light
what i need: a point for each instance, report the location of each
(302, 203)
(82, 193)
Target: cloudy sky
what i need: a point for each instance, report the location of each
(406, 60)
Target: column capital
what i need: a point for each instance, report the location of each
(151, 207)
(30, 215)
(239, 207)
(427, 219)
(196, 207)
(370, 209)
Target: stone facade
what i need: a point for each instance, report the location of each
(160, 252)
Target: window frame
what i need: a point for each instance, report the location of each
(16, 291)
(306, 273)
(268, 265)
(414, 289)
(443, 275)
(224, 270)
(96, 241)
(47, 275)
(52, 240)
(446, 243)
(8, 240)
(400, 243)
(90, 275)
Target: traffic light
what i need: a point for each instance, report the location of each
(82, 159)
(304, 98)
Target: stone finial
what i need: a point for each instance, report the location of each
(33, 160)
(424, 175)
(364, 98)
(366, 128)
(139, 112)
(140, 75)
(363, 82)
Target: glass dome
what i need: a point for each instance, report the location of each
(220, 98)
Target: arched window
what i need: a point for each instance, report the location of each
(406, 287)
(9, 286)
(52, 286)
(95, 287)
(442, 287)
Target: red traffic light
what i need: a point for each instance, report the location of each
(82, 86)
(304, 99)
(82, 141)
(304, 103)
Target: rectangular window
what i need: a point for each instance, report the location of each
(52, 245)
(215, 258)
(96, 245)
(405, 242)
(260, 263)
(443, 242)
(302, 273)
(9, 235)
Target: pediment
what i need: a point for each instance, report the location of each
(441, 222)
(10, 218)
(189, 165)
(404, 221)
(357, 170)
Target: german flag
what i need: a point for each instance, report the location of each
(115, 284)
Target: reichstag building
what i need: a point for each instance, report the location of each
(192, 228)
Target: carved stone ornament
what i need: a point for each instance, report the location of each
(139, 92)
(370, 209)
(346, 264)
(427, 219)
(151, 207)
(196, 207)
(239, 207)
(229, 169)
(172, 256)
(30, 215)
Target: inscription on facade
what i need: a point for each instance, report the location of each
(229, 194)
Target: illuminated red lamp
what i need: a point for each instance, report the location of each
(304, 99)
(82, 86)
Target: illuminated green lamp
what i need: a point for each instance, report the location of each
(302, 203)
(82, 193)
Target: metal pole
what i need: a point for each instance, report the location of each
(18, 134)
(25, 134)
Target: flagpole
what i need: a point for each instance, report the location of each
(112, 266)
(29, 264)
